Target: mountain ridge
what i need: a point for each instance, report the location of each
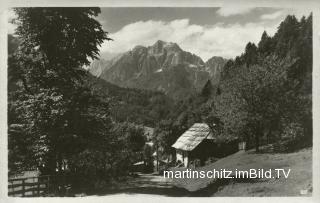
(163, 66)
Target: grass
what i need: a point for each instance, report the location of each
(300, 177)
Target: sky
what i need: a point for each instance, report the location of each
(206, 31)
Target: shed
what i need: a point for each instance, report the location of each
(199, 142)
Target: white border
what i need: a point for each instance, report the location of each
(313, 4)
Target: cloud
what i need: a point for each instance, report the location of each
(10, 16)
(230, 11)
(204, 40)
(298, 12)
(272, 16)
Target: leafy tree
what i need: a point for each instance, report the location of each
(56, 43)
(147, 157)
(286, 35)
(207, 89)
(268, 90)
(60, 114)
(265, 46)
(132, 135)
(251, 54)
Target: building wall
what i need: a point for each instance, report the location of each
(242, 146)
(210, 149)
(182, 156)
(179, 155)
(186, 159)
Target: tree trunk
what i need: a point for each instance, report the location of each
(257, 136)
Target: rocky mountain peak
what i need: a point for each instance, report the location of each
(162, 66)
(161, 46)
(214, 66)
(139, 48)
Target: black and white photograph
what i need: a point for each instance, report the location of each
(164, 101)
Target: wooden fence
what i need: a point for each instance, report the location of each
(29, 187)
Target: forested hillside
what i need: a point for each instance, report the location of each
(264, 95)
(144, 107)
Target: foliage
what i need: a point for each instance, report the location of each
(142, 107)
(62, 118)
(147, 157)
(267, 89)
(132, 135)
(263, 93)
(55, 44)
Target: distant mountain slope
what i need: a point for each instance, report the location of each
(163, 66)
(97, 66)
(214, 66)
(139, 106)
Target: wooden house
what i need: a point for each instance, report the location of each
(200, 143)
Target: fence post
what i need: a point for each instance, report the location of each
(48, 184)
(33, 181)
(38, 186)
(23, 187)
(12, 189)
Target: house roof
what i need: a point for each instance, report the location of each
(193, 137)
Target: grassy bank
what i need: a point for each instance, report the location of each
(300, 177)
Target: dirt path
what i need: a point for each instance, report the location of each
(147, 184)
(149, 180)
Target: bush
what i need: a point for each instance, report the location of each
(89, 171)
(293, 138)
(293, 131)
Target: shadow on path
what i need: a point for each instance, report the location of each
(147, 184)
(157, 185)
